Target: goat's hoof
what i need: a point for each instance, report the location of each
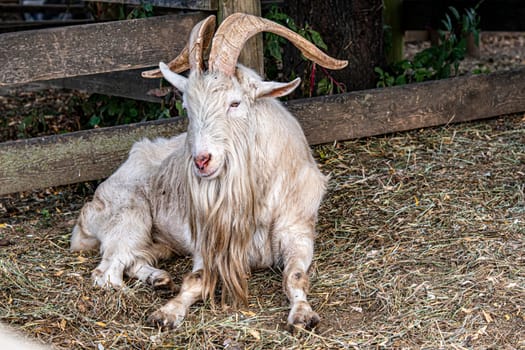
(105, 280)
(302, 317)
(165, 320)
(163, 284)
(161, 281)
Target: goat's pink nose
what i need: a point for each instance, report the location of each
(202, 160)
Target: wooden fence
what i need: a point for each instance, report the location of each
(95, 154)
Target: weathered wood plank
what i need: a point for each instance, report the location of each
(128, 84)
(93, 48)
(74, 157)
(204, 5)
(413, 106)
(60, 159)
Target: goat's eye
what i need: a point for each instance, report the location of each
(234, 104)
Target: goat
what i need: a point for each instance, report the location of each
(239, 191)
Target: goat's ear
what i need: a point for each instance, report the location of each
(175, 79)
(275, 89)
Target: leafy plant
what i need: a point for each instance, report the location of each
(45, 217)
(32, 123)
(273, 48)
(109, 110)
(143, 11)
(439, 61)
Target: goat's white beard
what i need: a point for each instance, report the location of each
(222, 221)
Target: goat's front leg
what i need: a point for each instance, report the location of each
(297, 255)
(174, 311)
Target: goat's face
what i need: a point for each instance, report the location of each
(219, 108)
(218, 113)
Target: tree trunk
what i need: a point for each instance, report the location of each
(352, 30)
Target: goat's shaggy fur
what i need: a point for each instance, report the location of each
(255, 205)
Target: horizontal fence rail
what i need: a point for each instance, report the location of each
(45, 54)
(95, 154)
(204, 5)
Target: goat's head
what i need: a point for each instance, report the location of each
(219, 101)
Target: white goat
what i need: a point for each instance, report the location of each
(239, 191)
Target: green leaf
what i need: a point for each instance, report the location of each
(94, 121)
(447, 23)
(164, 113)
(317, 39)
(148, 7)
(455, 12)
(324, 87)
(113, 108)
(275, 52)
(290, 23)
(405, 64)
(180, 109)
(401, 80)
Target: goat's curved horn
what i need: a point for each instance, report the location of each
(191, 57)
(179, 64)
(236, 29)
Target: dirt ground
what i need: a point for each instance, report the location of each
(421, 246)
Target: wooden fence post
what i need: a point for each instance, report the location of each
(252, 54)
(392, 16)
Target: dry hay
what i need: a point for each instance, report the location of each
(421, 245)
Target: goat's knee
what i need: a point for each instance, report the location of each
(80, 240)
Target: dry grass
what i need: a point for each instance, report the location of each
(421, 245)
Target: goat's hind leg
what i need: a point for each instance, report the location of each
(124, 244)
(109, 273)
(145, 272)
(112, 268)
(150, 275)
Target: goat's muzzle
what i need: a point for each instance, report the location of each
(202, 160)
(203, 165)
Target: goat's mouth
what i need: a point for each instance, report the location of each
(207, 173)
(207, 166)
